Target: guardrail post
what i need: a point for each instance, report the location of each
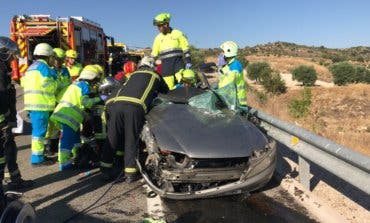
(304, 172)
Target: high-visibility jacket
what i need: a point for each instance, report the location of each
(170, 48)
(39, 84)
(232, 73)
(74, 70)
(70, 110)
(141, 88)
(64, 80)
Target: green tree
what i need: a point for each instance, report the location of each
(305, 74)
(274, 84)
(343, 73)
(259, 71)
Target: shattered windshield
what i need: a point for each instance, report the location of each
(215, 100)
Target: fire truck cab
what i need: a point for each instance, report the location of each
(78, 33)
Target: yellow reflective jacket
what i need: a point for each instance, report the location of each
(64, 80)
(170, 45)
(232, 74)
(39, 84)
(70, 110)
(75, 70)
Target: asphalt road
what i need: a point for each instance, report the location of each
(58, 196)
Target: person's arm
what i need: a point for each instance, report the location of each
(155, 47)
(184, 45)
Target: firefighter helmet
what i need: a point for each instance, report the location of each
(107, 85)
(72, 54)
(229, 48)
(147, 61)
(188, 76)
(43, 49)
(129, 67)
(7, 48)
(59, 53)
(89, 73)
(161, 19)
(100, 69)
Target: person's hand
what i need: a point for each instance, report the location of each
(221, 60)
(103, 97)
(188, 65)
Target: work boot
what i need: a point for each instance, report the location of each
(132, 177)
(47, 162)
(109, 174)
(20, 184)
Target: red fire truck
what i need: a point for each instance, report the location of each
(78, 33)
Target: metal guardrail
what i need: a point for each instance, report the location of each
(341, 161)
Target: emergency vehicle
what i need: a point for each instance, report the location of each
(120, 54)
(78, 33)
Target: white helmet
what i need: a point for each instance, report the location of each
(89, 73)
(147, 61)
(230, 48)
(43, 49)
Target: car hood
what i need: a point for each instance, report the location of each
(183, 129)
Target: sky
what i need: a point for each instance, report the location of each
(208, 23)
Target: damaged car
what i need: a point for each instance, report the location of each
(198, 143)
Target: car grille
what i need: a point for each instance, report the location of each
(220, 163)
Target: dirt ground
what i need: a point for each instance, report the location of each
(340, 113)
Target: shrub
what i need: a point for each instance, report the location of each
(343, 73)
(305, 74)
(197, 56)
(274, 84)
(259, 70)
(299, 108)
(361, 75)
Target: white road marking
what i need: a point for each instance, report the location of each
(154, 206)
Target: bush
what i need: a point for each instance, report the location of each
(299, 108)
(197, 56)
(242, 60)
(361, 75)
(305, 74)
(343, 73)
(274, 84)
(258, 71)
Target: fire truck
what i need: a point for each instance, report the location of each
(78, 33)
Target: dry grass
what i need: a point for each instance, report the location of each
(341, 114)
(285, 64)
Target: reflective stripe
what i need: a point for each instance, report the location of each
(148, 88)
(38, 106)
(119, 153)
(130, 170)
(2, 118)
(39, 92)
(129, 99)
(72, 106)
(171, 55)
(2, 160)
(69, 119)
(106, 165)
(170, 50)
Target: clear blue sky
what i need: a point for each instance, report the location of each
(207, 23)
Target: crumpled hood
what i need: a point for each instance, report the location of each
(187, 130)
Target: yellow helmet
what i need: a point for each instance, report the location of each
(89, 73)
(186, 75)
(99, 68)
(72, 54)
(59, 53)
(161, 19)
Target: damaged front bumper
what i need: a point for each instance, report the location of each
(255, 177)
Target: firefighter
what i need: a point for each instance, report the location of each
(170, 45)
(73, 66)
(125, 112)
(185, 78)
(8, 148)
(40, 84)
(127, 69)
(232, 71)
(69, 114)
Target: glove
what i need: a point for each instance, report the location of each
(221, 60)
(103, 97)
(188, 65)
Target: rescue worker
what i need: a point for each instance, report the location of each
(69, 114)
(127, 69)
(73, 66)
(8, 148)
(63, 81)
(232, 71)
(40, 84)
(170, 45)
(185, 78)
(125, 113)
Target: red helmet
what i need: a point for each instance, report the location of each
(129, 67)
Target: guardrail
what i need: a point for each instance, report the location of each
(341, 161)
